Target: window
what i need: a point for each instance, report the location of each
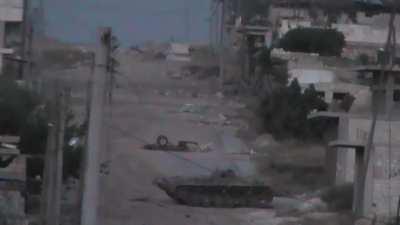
(339, 96)
(396, 96)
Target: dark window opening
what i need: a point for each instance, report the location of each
(339, 96)
(396, 95)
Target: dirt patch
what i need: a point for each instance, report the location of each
(339, 198)
(293, 168)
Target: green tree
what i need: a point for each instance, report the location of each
(285, 112)
(326, 42)
(16, 103)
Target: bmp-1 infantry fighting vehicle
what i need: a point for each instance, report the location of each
(223, 189)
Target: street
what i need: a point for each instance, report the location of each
(141, 111)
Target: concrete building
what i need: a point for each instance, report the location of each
(12, 181)
(362, 39)
(363, 33)
(346, 158)
(11, 17)
(179, 52)
(334, 93)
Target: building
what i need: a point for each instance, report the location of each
(347, 157)
(11, 17)
(178, 52)
(363, 34)
(12, 180)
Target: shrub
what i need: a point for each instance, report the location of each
(326, 42)
(285, 112)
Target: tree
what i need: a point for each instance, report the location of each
(326, 42)
(16, 103)
(274, 69)
(255, 7)
(285, 112)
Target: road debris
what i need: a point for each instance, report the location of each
(163, 144)
(220, 95)
(140, 199)
(192, 108)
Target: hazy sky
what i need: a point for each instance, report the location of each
(134, 21)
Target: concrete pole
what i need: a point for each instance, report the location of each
(52, 184)
(187, 20)
(94, 142)
(47, 185)
(89, 89)
(222, 45)
(2, 37)
(62, 96)
(211, 20)
(24, 37)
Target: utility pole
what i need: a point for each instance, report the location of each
(211, 20)
(24, 37)
(95, 132)
(187, 20)
(222, 45)
(52, 184)
(364, 199)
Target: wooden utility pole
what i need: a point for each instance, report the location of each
(52, 183)
(95, 133)
(222, 44)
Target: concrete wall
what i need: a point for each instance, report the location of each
(11, 10)
(386, 173)
(312, 76)
(345, 157)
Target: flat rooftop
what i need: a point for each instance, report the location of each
(378, 68)
(348, 144)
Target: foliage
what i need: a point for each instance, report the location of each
(255, 7)
(34, 132)
(364, 59)
(22, 114)
(34, 140)
(326, 42)
(73, 153)
(16, 103)
(285, 112)
(274, 67)
(339, 197)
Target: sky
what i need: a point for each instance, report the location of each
(133, 21)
